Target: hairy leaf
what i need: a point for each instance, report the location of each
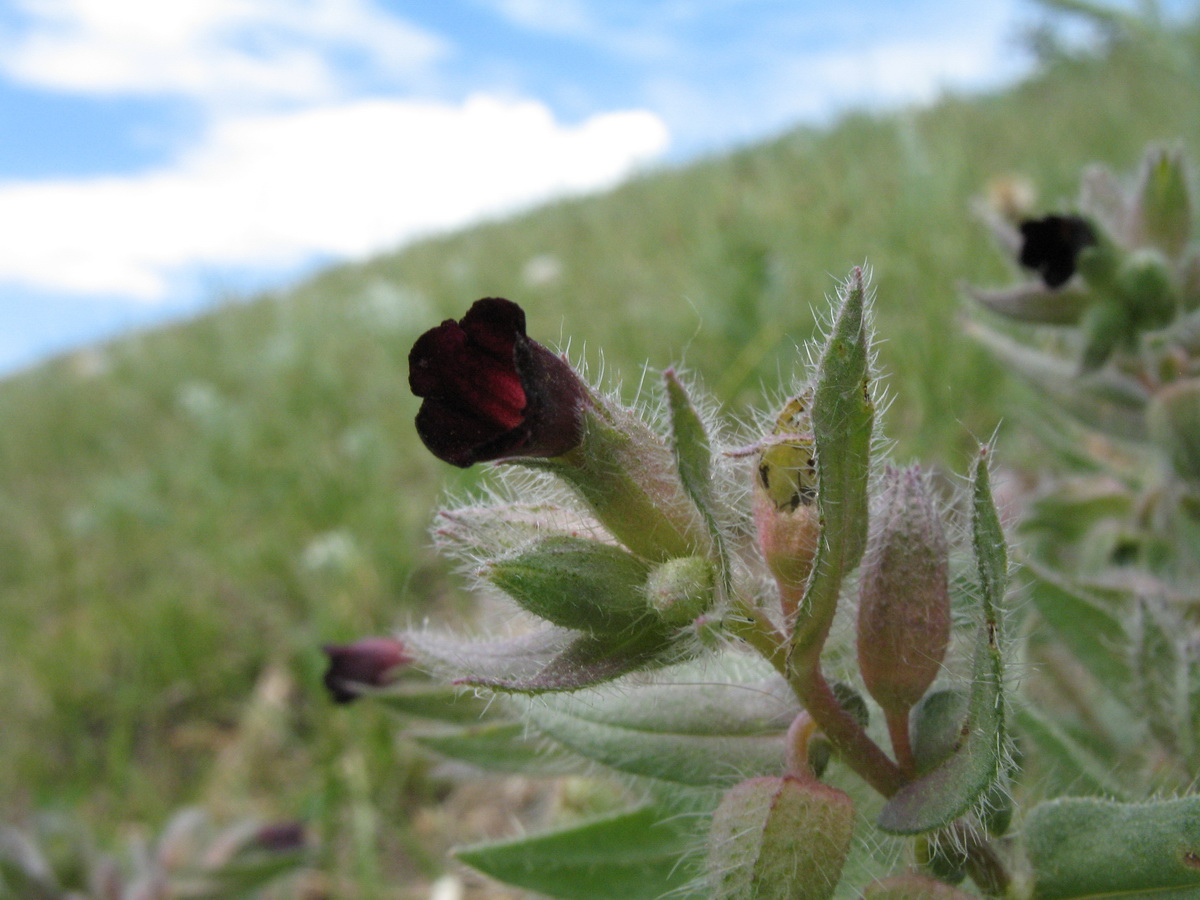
(1087, 849)
(640, 854)
(502, 747)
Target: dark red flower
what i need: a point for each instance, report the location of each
(1050, 246)
(280, 837)
(490, 392)
(370, 661)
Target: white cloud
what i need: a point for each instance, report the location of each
(225, 51)
(346, 179)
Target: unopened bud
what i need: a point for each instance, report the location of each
(904, 603)
(1163, 205)
(785, 494)
(681, 589)
(576, 583)
(1145, 282)
(1174, 418)
(369, 662)
(779, 838)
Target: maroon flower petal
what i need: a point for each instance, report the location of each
(1050, 246)
(370, 661)
(490, 392)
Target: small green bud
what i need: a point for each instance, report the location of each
(779, 838)
(937, 724)
(576, 583)
(904, 600)
(1174, 419)
(681, 589)
(1163, 211)
(943, 859)
(1144, 281)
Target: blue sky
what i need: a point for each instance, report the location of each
(157, 154)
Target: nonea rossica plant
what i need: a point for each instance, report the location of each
(791, 658)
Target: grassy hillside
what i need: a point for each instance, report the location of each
(189, 513)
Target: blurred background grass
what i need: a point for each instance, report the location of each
(189, 513)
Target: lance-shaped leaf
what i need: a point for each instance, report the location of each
(693, 460)
(698, 724)
(1088, 849)
(553, 659)
(641, 854)
(1161, 674)
(432, 700)
(1104, 400)
(502, 747)
(1090, 629)
(950, 790)
(1034, 302)
(843, 416)
(1071, 765)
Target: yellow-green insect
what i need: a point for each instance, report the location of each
(787, 462)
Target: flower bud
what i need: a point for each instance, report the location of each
(1163, 203)
(1174, 418)
(681, 589)
(1144, 280)
(489, 392)
(576, 583)
(785, 492)
(779, 838)
(368, 662)
(904, 602)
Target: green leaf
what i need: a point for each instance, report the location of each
(1087, 849)
(502, 747)
(640, 854)
(1033, 302)
(693, 461)
(1093, 633)
(950, 790)
(553, 659)
(700, 724)
(1070, 763)
(1160, 664)
(430, 700)
(843, 417)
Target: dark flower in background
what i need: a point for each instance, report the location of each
(490, 392)
(370, 661)
(280, 837)
(1050, 246)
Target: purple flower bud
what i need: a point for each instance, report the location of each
(370, 661)
(1051, 246)
(280, 837)
(490, 392)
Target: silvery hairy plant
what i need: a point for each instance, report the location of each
(1107, 333)
(796, 658)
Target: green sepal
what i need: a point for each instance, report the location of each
(501, 747)
(576, 583)
(936, 799)
(1107, 325)
(693, 462)
(1087, 849)
(699, 724)
(639, 854)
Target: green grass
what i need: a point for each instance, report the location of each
(213, 501)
